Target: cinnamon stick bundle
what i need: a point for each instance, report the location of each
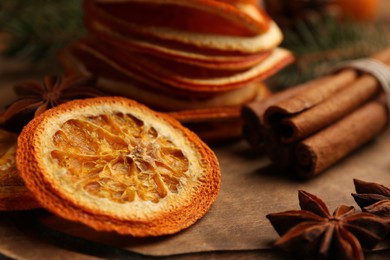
(311, 126)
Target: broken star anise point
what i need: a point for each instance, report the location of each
(373, 198)
(314, 232)
(35, 97)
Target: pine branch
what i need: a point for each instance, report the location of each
(321, 42)
(38, 29)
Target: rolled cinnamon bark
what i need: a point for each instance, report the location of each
(311, 96)
(253, 113)
(313, 109)
(319, 151)
(292, 129)
(314, 127)
(281, 155)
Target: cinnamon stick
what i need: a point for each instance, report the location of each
(318, 107)
(281, 155)
(253, 113)
(297, 127)
(319, 151)
(311, 128)
(312, 96)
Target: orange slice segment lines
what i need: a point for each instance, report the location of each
(113, 164)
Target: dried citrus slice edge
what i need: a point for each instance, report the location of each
(89, 195)
(13, 193)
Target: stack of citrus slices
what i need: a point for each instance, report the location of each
(116, 165)
(200, 59)
(13, 193)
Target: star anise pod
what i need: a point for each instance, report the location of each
(372, 197)
(314, 232)
(35, 97)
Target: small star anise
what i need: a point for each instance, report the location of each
(314, 232)
(35, 97)
(373, 198)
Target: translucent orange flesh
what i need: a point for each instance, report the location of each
(120, 158)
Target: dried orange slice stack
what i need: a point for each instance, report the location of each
(176, 55)
(13, 194)
(116, 165)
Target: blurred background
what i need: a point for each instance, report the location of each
(321, 33)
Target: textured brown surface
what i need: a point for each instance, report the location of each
(237, 220)
(249, 191)
(236, 223)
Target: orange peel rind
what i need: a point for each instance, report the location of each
(115, 165)
(197, 16)
(176, 55)
(13, 193)
(101, 19)
(157, 71)
(216, 124)
(206, 59)
(158, 96)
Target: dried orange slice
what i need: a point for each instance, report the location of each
(215, 124)
(271, 37)
(212, 125)
(205, 59)
(115, 165)
(143, 69)
(114, 80)
(198, 16)
(13, 193)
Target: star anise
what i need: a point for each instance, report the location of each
(314, 232)
(35, 97)
(372, 197)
